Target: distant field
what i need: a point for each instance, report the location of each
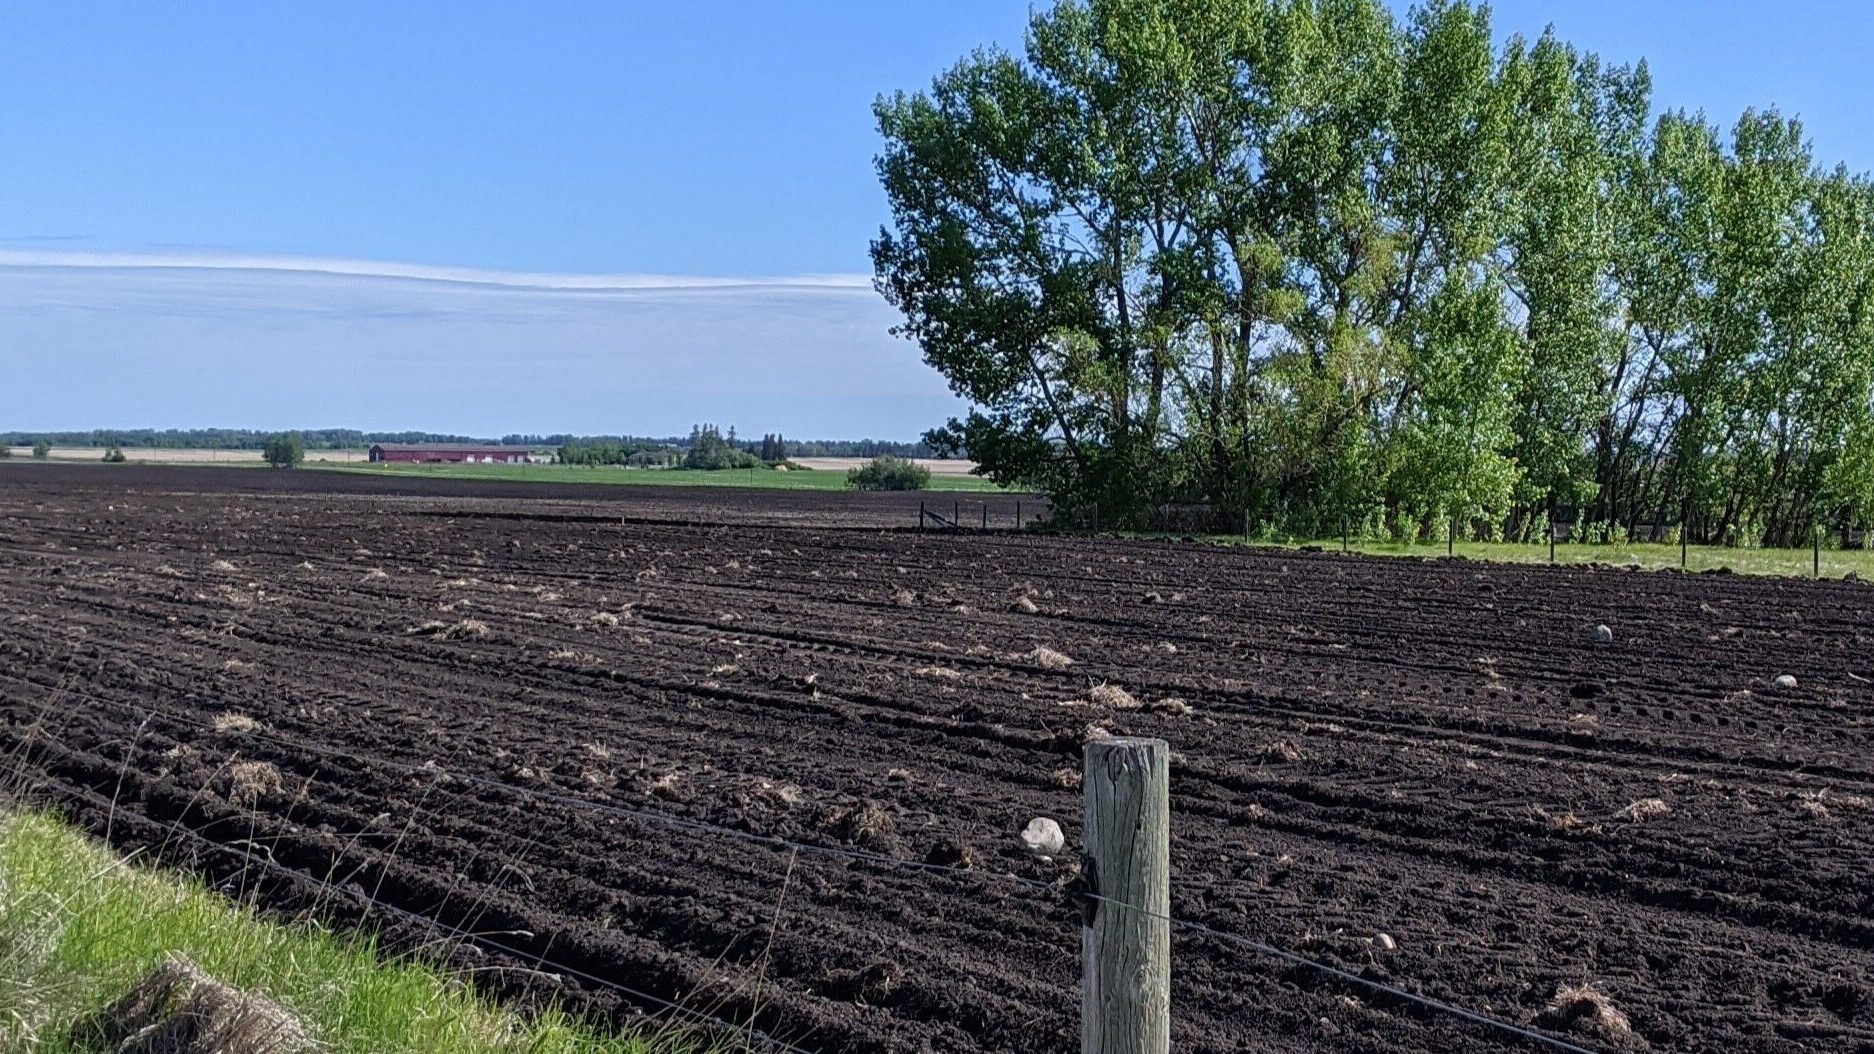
(952, 478)
(938, 466)
(182, 455)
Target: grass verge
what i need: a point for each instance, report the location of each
(1835, 563)
(80, 926)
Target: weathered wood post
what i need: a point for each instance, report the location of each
(1451, 537)
(1125, 998)
(1018, 514)
(1551, 527)
(920, 517)
(985, 515)
(1815, 540)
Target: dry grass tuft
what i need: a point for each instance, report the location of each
(375, 574)
(1281, 750)
(1068, 778)
(952, 852)
(605, 618)
(248, 783)
(866, 824)
(467, 629)
(1113, 696)
(236, 724)
(178, 1009)
(903, 598)
(1585, 1010)
(1645, 809)
(939, 673)
(1049, 659)
(1024, 605)
(222, 565)
(1173, 706)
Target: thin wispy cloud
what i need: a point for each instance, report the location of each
(182, 339)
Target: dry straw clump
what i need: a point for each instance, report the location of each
(1585, 1010)
(1281, 750)
(248, 783)
(1049, 659)
(236, 724)
(178, 1009)
(466, 629)
(1114, 696)
(1645, 809)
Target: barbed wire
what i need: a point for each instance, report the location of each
(431, 770)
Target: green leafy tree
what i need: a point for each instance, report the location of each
(114, 456)
(284, 450)
(42, 449)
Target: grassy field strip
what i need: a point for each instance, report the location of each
(79, 927)
(637, 477)
(1836, 563)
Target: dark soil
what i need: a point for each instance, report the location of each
(1430, 751)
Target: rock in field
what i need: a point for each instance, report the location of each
(1785, 681)
(1601, 635)
(1043, 838)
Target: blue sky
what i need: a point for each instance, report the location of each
(525, 145)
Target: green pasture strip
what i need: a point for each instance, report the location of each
(1836, 563)
(79, 926)
(806, 479)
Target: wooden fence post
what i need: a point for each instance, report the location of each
(1125, 998)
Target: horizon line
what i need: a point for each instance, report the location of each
(353, 267)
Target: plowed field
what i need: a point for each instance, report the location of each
(1422, 772)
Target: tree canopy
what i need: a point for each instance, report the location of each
(284, 450)
(1303, 260)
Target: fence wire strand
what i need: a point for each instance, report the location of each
(431, 770)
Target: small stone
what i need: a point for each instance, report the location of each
(1785, 681)
(1601, 635)
(1852, 576)
(1043, 838)
(1385, 941)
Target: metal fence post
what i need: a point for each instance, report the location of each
(1125, 943)
(920, 517)
(1451, 538)
(1018, 514)
(985, 515)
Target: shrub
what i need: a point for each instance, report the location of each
(114, 456)
(42, 449)
(888, 473)
(5, 451)
(284, 450)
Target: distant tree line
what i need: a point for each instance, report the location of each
(1312, 261)
(226, 438)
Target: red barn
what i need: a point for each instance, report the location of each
(456, 453)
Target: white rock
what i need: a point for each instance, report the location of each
(1786, 681)
(1042, 837)
(1601, 635)
(1385, 941)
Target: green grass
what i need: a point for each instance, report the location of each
(79, 927)
(809, 479)
(1797, 562)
